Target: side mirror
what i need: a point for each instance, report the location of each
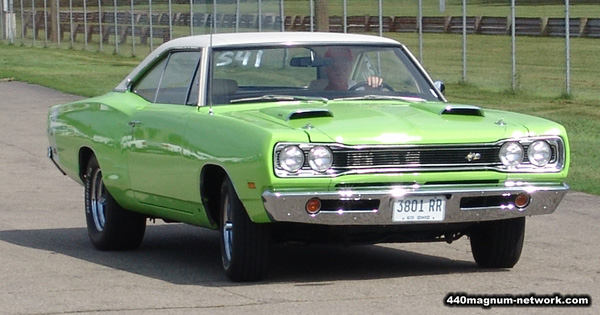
(440, 86)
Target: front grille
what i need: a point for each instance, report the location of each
(364, 159)
(424, 157)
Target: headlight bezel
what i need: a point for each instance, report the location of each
(295, 153)
(534, 150)
(307, 170)
(320, 153)
(555, 163)
(511, 154)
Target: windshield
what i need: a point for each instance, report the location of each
(315, 72)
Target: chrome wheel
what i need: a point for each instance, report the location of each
(98, 201)
(110, 227)
(227, 231)
(244, 244)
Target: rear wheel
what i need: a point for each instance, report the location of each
(110, 227)
(498, 244)
(244, 244)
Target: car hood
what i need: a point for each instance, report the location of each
(393, 122)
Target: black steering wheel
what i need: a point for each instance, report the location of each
(365, 83)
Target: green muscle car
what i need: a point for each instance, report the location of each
(304, 137)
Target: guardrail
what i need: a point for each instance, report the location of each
(488, 25)
(127, 24)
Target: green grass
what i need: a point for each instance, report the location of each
(71, 71)
(540, 76)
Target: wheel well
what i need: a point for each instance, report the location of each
(85, 154)
(211, 178)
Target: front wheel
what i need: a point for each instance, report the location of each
(498, 244)
(109, 226)
(244, 244)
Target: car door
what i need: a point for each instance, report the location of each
(157, 130)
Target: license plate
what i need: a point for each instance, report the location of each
(419, 209)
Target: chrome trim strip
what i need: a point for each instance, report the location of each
(51, 156)
(289, 205)
(203, 76)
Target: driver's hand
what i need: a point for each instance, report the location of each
(374, 82)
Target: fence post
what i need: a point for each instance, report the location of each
(380, 12)
(567, 48)
(45, 23)
(100, 25)
(312, 15)
(85, 26)
(116, 27)
(281, 16)
(33, 13)
(191, 17)
(345, 16)
(132, 29)
(151, 25)
(2, 29)
(464, 40)
(71, 22)
(23, 23)
(513, 46)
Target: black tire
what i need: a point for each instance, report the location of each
(244, 244)
(498, 244)
(110, 227)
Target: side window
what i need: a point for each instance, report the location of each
(148, 85)
(176, 81)
(169, 81)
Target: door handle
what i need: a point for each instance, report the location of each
(134, 123)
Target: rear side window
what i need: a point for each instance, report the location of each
(170, 80)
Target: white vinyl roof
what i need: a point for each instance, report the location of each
(220, 40)
(254, 39)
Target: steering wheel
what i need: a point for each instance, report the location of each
(364, 84)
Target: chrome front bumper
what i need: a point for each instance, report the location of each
(290, 205)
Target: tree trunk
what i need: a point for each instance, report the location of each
(54, 20)
(322, 15)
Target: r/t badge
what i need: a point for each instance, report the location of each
(473, 156)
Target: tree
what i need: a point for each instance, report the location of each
(322, 15)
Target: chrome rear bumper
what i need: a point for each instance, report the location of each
(290, 205)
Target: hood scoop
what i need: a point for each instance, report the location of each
(287, 114)
(462, 110)
(309, 113)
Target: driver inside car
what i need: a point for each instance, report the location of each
(338, 72)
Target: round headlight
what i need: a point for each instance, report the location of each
(291, 158)
(511, 154)
(320, 158)
(539, 153)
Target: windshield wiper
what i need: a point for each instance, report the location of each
(382, 97)
(279, 98)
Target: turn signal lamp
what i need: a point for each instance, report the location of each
(522, 200)
(313, 206)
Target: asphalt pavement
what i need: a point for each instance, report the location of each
(48, 265)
